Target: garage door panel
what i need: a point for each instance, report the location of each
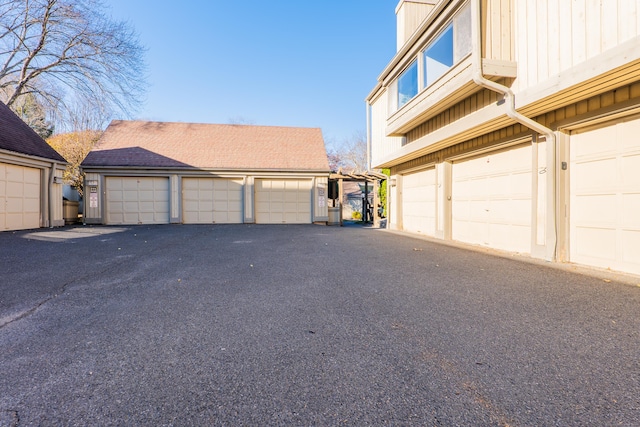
(291, 197)
(492, 200)
(628, 134)
(595, 243)
(595, 210)
(509, 211)
(630, 165)
(631, 246)
(507, 236)
(15, 189)
(31, 204)
(631, 211)
(278, 196)
(595, 175)
(520, 184)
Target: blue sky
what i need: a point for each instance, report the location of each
(279, 63)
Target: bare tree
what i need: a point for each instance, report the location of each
(69, 52)
(33, 114)
(353, 153)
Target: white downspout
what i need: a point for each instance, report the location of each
(369, 136)
(51, 179)
(510, 103)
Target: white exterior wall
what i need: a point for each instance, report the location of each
(381, 145)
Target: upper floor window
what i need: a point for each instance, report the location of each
(408, 84)
(453, 44)
(439, 55)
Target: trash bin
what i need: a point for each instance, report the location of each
(334, 216)
(70, 211)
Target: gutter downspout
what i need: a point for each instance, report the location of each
(54, 165)
(368, 113)
(510, 104)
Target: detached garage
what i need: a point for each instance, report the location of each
(160, 173)
(30, 177)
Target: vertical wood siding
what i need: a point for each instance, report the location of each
(470, 105)
(554, 35)
(497, 18)
(89, 212)
(408, 19)
(57, 208)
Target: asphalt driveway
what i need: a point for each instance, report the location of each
(305, 325)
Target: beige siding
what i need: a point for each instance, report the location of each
(470, 105)
(175, 187)
(497, 19)
(409, 16)
(92, 209)
(321, 211)
(554, 36)
(249, 194)
(56, 199)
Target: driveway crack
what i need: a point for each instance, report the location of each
(61, 291)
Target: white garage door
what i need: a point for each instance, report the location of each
(419, 202)
(141, 200)
(605, 196)
(211, 200)
(19, 197)
(283, 201)
(491, 200)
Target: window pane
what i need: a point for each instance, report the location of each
(408, 84)
(462, 24)
(439, 56)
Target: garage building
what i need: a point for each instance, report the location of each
(159, 173)
(30, 177)
(511, 136)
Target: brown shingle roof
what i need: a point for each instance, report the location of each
(190, 145)
(17, 136)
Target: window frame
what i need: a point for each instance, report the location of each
(413, 81)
